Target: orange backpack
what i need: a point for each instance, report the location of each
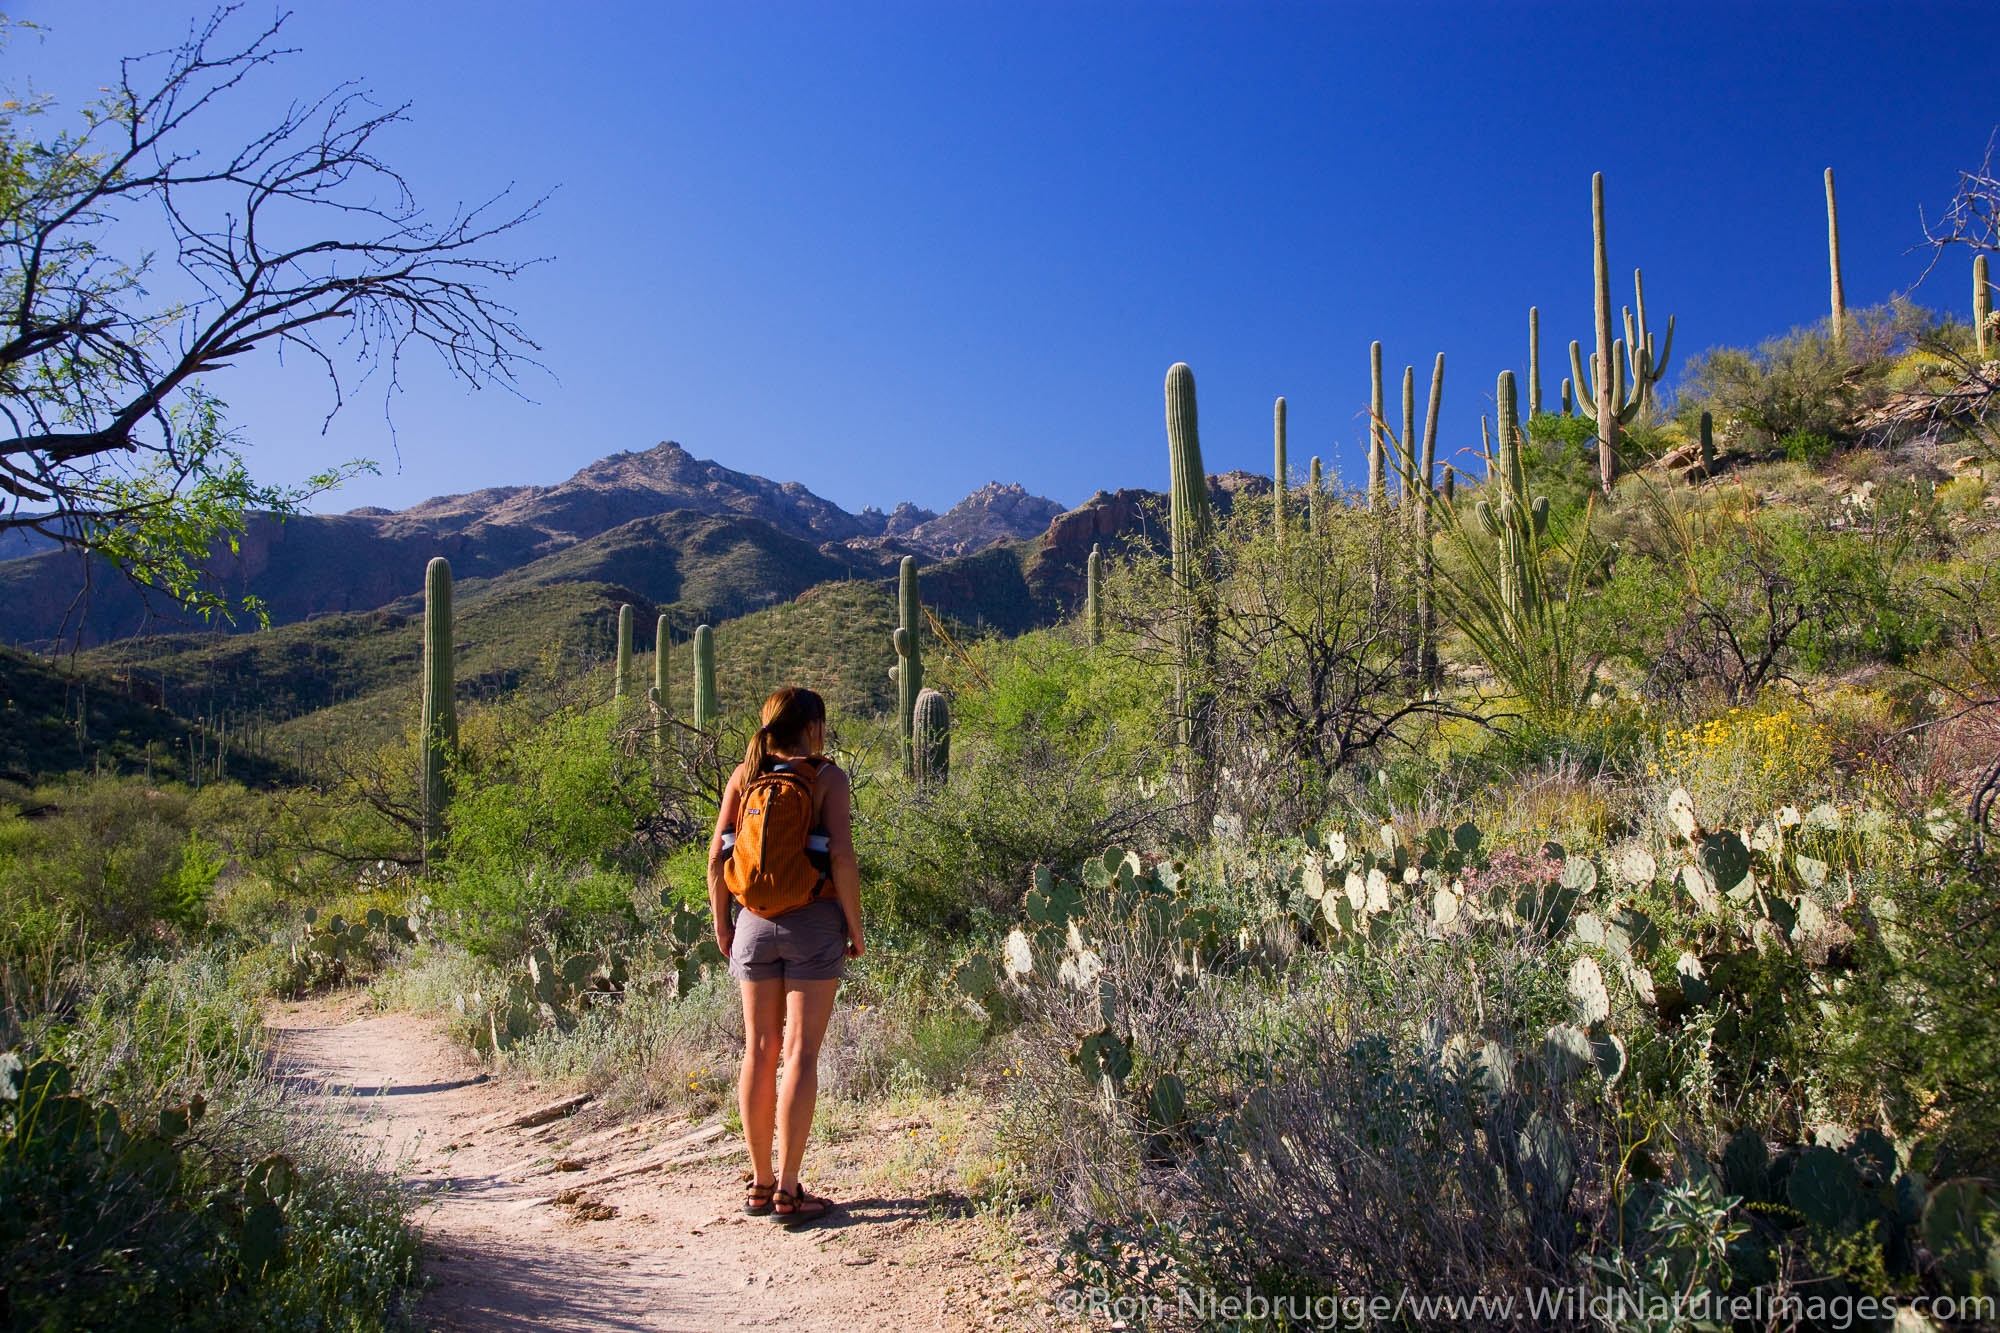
(770, 870)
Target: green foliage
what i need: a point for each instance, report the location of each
(1804, 392)
(541, 837)
(1806, 446)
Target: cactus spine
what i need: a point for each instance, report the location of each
(1191, 521)
(623, 685)
(909, 669)
(1514, 523)
(1707, 444)
(1982, 308)
(439, 718)
(1622, 371)
(1839, 296)
(1313, 485)
(1093, 593)
(1534, 362)
(1279, 475)
(1376, 483)
(706, 709)
(930, 735)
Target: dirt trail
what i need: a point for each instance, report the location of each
(523, 1230)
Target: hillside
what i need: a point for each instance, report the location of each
(316, 565)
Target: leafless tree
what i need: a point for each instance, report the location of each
(301, 238)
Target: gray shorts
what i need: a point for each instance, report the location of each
(805, 944)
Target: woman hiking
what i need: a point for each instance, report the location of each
(784, 851)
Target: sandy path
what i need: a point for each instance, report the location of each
(662, 1249)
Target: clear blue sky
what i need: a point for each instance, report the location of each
(893, 251)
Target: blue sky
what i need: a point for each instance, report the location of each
(894, 251)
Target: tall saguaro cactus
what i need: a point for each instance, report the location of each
(623, 685)
(1427, 655)
(1839, 295)
(439, 719)
(1624, 370)
(707, 711)
(1314, 484)
(1406, 457)
(909, 668)
(1093, 593)
(1192, 524)
(1534, 362)
(1376, 483)
(1513, 522)
(1982, 308)
(930, 740)
(1707, 444)
(661, 701)
(1280, 477)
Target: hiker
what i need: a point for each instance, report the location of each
(784, 850)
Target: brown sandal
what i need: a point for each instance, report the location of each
(757, 1198)
(798, 1208)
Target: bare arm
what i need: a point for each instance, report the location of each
(837, 817)
(718, 892)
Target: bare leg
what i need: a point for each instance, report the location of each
(808, 1005)
(756, 1090)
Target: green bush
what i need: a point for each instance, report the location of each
(542, 839)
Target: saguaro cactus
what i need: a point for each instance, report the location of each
(1280, 477)
(1313, 488)
(1623, 371)
(1534, 362)
(1513, 522)
(1427, 657)
(1406, 457)
(1982, 308)
(623, 685)
(908, 672)
(1192, 523)
(1568, 401)
(706, 709)
(1839, 296)
(1376, 483)
(1612, 397)
(1707, 444)
(657, 696)
(439, 719)
(1093, 593)
(930, 733)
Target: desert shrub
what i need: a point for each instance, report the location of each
(1803, 387)
(153, 1175)
(1742, 764)
(543, 839)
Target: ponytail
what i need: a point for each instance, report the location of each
(787, 714)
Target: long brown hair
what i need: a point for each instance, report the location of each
(787, 714)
